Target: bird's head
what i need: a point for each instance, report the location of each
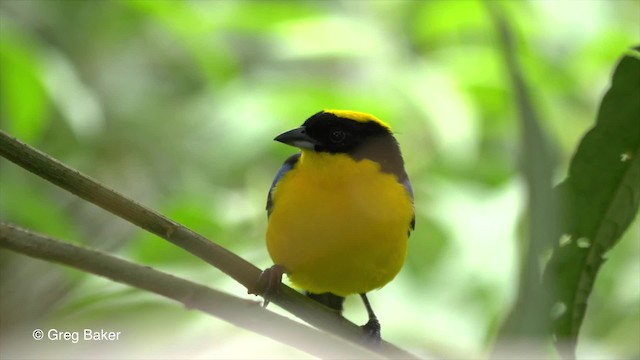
(336, 131)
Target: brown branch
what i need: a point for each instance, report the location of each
(240, 312)
(239, 269)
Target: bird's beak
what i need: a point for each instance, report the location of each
(297, 137)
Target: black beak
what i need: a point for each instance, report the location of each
(297, 137)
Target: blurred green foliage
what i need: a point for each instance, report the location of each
(175, 103)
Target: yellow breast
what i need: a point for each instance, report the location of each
(339, 225)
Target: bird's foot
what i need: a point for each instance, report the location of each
(268, 283)
(372, 331)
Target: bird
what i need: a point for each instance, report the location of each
(340, 211)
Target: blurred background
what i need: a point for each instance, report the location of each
(175, 104)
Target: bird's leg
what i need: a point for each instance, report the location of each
(268, 283)
(372, 327)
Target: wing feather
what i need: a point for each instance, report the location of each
(288, 165)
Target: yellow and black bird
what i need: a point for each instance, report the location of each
(341, 210)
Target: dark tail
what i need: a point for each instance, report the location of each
(328, 299)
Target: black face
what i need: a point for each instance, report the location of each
(335, 135)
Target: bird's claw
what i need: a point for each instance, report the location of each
(372, 331)
(268, 283)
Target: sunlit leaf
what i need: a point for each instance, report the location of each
(22, 97)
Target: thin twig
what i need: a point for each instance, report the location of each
(240, 312)
(239, 269)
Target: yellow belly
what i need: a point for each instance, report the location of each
(338, 225)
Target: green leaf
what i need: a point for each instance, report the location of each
(600, 199)
(22, 93)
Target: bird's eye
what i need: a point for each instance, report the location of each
(337, 136)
